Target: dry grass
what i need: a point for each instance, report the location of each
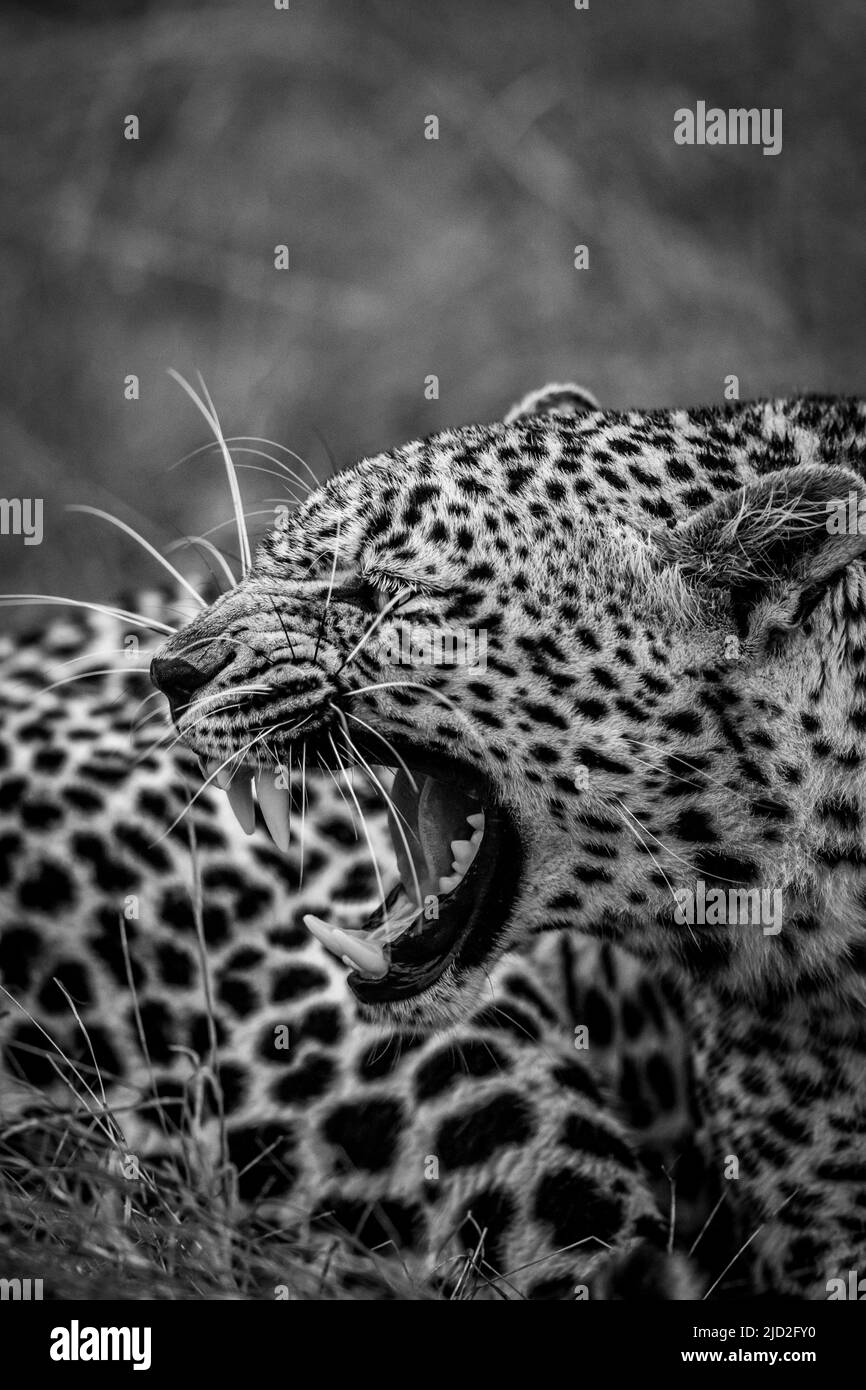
(69, 1216)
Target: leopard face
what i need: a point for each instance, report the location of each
(669, 633)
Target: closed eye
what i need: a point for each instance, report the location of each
(390, 583)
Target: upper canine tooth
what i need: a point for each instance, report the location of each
(240, 795)
(476, 821)
(274, 806)
(220, 774)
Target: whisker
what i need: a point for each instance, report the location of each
(211, 549)
(100, 671)
(332, 775)
(330, 591)
(90, 656)
(397, 815)
(236, 756)
(257, 439)
(145, 545)
(209, 412)
(667, 849)
(387, 742)
(699, 772)
(624, 814)
(283, 626)
(383, 613)
(303, 808)
(366, 831)
(284, 468)
(36, 600)
(232, 521)
(406, 685)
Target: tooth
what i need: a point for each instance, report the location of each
(366, 956)
(462, 850)
(274, 806)
(477, 821)
(450, 882)
(240, 795)
(221, 775)
(361, 955)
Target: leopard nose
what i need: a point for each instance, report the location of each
(179, 677)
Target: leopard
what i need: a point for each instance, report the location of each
(495, 1143)
(595, 665)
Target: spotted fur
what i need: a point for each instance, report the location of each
(672, 694)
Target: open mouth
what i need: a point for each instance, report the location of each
(458, 855)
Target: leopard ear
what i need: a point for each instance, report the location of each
(553, 400)
(776, 545)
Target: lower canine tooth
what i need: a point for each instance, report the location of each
(367, 957)
(363, 955)
(450, 882)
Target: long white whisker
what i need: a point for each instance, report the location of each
(383, 613)
(230, 520)
(100, 671)
(330, 591)
(406, 685)
(387, 742)
(233, 757)
(257, 439)
(146, 545)
(397, 815)
(331, 774)
(211, 549)
(221, 695)
(137, 619)
(210, 415)
(367, 836)
(667, 849)
(303, 809)
(257, 468)
(90, 656)
(699, 772)
(624, 815)
(285, 470)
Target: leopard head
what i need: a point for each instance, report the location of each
(583, 669)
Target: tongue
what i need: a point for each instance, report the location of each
(440, 820)
(404, 831)
(429, 821)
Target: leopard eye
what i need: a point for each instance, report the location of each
(360, 593)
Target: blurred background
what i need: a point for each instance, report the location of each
(409, 257)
